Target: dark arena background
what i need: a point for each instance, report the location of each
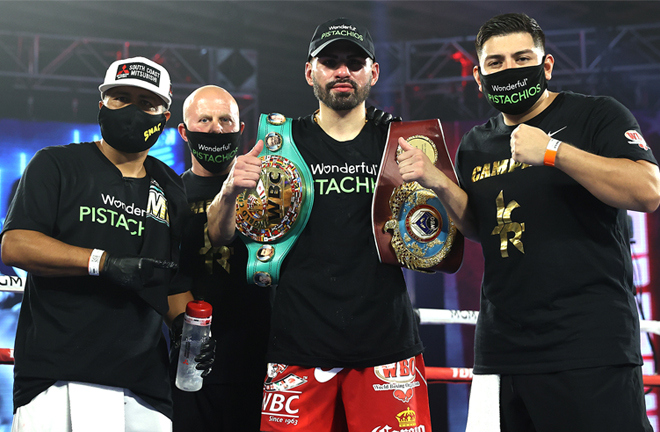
(53, 56)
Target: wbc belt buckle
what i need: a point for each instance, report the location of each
(269, 211)
(411, 226)
(272, 215)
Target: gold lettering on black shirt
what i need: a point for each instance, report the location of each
(219, 254)
(498, 168)
(211, 254)
(506, 226)
(198, 207)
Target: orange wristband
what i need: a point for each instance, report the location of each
(551, 152)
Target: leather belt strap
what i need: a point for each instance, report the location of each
(411, 226)
(272, 216)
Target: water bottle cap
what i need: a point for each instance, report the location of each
(199, 309)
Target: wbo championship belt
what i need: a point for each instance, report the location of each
(411, 226)
(272, 215)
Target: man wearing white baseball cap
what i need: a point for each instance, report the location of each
(139, 72)
(97, 225)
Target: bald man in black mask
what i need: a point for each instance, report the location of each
(230, 398)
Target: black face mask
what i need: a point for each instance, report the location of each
(129, 129)
(514, 91)
(214, 151)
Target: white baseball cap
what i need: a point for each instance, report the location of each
(139, 72)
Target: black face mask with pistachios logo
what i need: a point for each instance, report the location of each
(514, 91)
(214, 151)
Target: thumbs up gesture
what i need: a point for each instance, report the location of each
(245, 172)
(414, 165)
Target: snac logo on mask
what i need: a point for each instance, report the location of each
(151, 131)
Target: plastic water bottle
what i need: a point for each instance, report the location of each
(196, 331)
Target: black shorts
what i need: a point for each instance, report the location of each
(598, 399)
(218, 408)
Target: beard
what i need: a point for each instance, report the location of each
(341, 101)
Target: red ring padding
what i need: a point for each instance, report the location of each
(434, 375)
(6, 356)
(464, 375)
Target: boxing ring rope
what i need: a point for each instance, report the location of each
(427, 317)
(445, 316)
(464, 375)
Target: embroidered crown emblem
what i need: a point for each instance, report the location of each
(407, 418)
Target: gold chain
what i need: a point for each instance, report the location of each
(316, 117)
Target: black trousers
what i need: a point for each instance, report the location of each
(602, 399)
(218, 408)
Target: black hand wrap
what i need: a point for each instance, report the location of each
(380, 117)
(132, 271)
(176, 329)
(206, 355)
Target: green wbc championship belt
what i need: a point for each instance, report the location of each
(411, 226)
(272, 215)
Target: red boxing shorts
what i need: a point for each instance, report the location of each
(387, 398)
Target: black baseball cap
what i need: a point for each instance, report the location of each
(341, 29)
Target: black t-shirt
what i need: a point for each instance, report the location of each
(557, 291)
(336, 305)
(86, 328)
(241, 312)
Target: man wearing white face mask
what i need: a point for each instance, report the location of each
(97, 226)
(545, 186)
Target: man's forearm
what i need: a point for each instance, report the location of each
(222, 219)
(620, 183)
(455, 201)
(43, 255)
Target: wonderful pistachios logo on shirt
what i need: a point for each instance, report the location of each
(128, 216)
(115, 213)
(360, 178)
